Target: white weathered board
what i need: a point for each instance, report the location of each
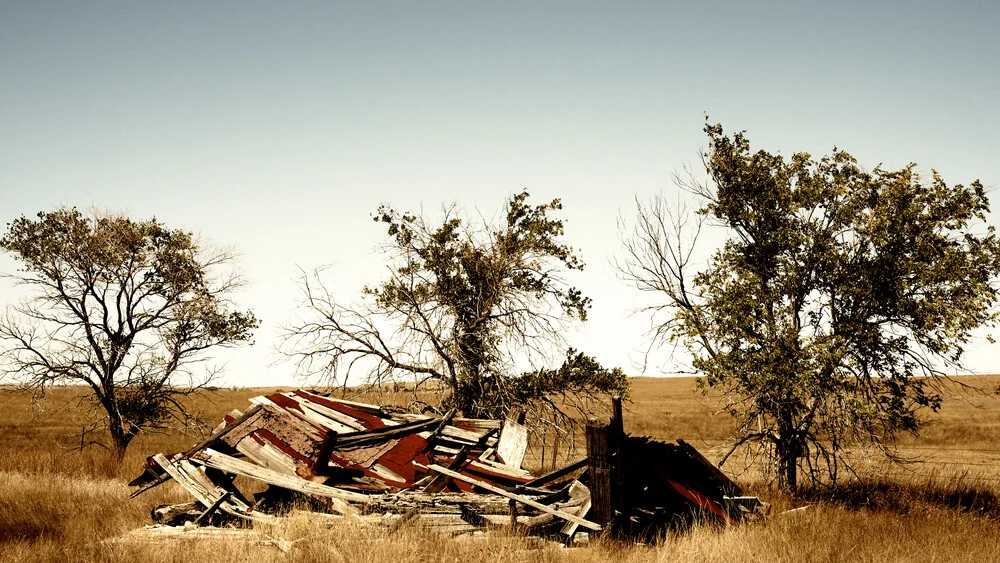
(513, 444)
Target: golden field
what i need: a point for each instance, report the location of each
(58, 504)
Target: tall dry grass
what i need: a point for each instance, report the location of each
(58, 504)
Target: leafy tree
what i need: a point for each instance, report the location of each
(125, 307)
(463, 305)
(836, 304)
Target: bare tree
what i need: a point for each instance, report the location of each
(126, 308)
(464, 305)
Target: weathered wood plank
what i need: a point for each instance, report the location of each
(370, 437)
(253, 411)
(578, 491)
(440, 480)
(552, 476)
(215, 506)
(212, 458)
(266, 455)
(519, 498)
(363, 407)
(201, 495)
(345, 422)
(513, 444)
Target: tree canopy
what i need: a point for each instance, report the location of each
(464, 305)
(837, 302)
(125, 307)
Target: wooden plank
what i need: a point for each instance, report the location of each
(212, 458)
(522, 499)
(251, 412)
(153, 535)
(454, 432)
(489, 504)
(363, 414)
(363, 407)
(215, 506)
(312, 414)
(233, 416)
(388, 475)
(578, 491)
(201, 495)
(306, 402)
(517, 474)
(440, 480)
(476, 424)
(444, 423)
(293, 420)
(552, 476)
(513, 444)
(266, 455)
(370, 437)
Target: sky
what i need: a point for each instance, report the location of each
(279, 128)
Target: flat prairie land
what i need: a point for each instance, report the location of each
(61, 504)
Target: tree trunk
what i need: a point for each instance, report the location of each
(787, 468)
(789, 451)
(120, 437)
(119, 443)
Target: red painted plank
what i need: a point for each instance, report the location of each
(284, 402)
(367, 420)
(484, 473)
(700, 500)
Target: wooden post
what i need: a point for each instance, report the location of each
(599, 462)
(604, 457)
(616, 431)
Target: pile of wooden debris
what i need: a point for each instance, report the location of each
(457, 475)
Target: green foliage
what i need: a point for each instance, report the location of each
(578, 373)
(466, 303)
(119, 305)
(837, 301)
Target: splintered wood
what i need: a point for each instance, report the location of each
(349, 461)
(345, 459)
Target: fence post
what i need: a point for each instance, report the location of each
(599, 465)
(604, 456)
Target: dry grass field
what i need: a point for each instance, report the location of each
(58, 504)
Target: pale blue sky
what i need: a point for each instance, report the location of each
(279, 129)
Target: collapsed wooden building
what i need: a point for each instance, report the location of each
(368, 463)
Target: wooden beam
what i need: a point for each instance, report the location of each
(340, 498)
(577, 491)
(557, 473)
(444, 423)
(440, 480)
(215, 506)
(524, 500)
(378, 435)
